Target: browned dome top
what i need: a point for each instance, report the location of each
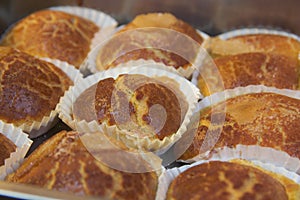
(265, 119)
(53, 34)
(30, 88)
(245, 69)
(267, 43)
(63, 163)
(130, 103)
(225, 180)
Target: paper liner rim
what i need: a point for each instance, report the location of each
(22, 142)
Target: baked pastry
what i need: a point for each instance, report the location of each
(30, 88)
(6, 148)
(63, 163)
(266, 43)
(245, 69)
(229, 180)
(53, 34)
(130, 102)
(153, 36)
(264, 119)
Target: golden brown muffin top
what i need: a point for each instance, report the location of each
(163, 20)
(264, 119)
(6, 148)
(63, 163)
(130, 102)
(155, 36)
(245, 69)
(225, 180)
(53, 34)
(267, 43)
(30, 88)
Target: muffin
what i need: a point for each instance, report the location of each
(24, 99)
(255, 68)
(7, 147)
(57, 35)
(130, 103)
(153, 36)
(145, 108)
(63, 163)
(262, 119)
(231, 180)
(266, 43)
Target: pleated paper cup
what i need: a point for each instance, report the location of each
(100, 18)
(248, 152)
(170, 174)
(37, 128)
(22, 142)
(92, 66)
(189, 91)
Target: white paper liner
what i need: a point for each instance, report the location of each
(246, 31)
(251, 152)
(170, 174)
(91, 62)
(38, 128)
(23, 143)
(65, 109)
(101, 19)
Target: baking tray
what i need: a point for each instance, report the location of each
(211, 16)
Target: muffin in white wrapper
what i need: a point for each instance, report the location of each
(76, 26)
(241, 70)
(22, 145)
(255, 123)
(31, 89)
(185, 93)
(145, 42)
(250, 57)
(290, 180)
(38, 128)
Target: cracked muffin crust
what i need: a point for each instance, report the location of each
(57, 35)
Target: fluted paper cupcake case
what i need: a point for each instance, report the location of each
(65, 108)
(251, 152)
(37, 128)
(22, 142)
(170, 174)
(91, 62)
(101, 19)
